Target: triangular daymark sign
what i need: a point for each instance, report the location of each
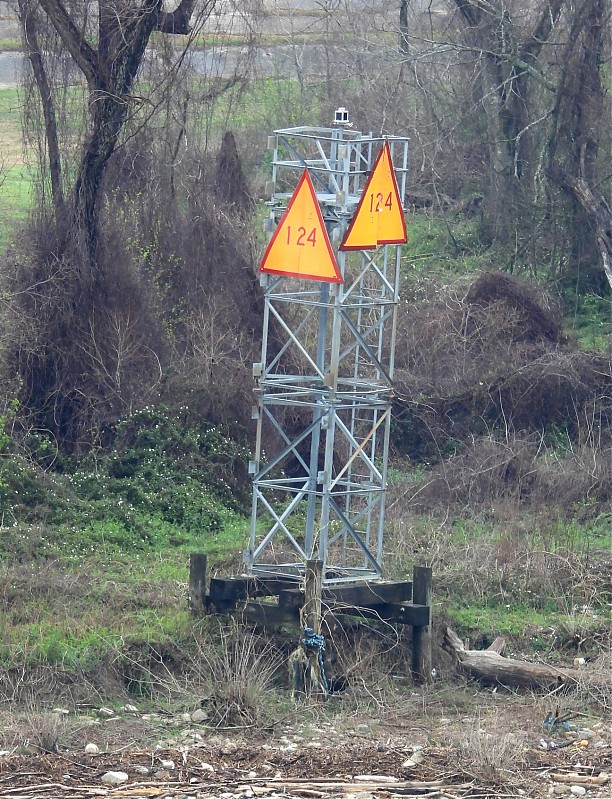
(379, 218)
(300, 246)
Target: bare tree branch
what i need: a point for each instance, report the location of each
(85, 56)
(548, 19)
(178, 21)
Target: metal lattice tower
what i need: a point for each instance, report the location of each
(324, 383)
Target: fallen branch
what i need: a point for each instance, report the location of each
(490, 667)
(586, 781)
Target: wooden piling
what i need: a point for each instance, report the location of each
(197, 583)
(313, 589)
(421, 635)
(311, 614)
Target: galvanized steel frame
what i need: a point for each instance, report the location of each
(327, 355)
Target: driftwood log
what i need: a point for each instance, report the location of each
(490, 667)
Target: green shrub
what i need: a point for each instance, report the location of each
(169, 479)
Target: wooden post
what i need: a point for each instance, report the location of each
(197, 583)
(421, 636)
(313, 588)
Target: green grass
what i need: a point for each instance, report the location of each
(541, 631)
(591, 322)
(493, 620)
(15, 175)
(205, 40)
(12, 45)
(265, 105)
(440, 248)
(11, 102)
(15, 197)
(75, 609)
(552, 535)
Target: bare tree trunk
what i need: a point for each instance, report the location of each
(110, 72)
(109, 116)
(507, 70)
(596, 209)
(576, 129)
(30, 30)
(404, 46)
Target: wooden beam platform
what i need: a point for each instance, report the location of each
(278, 601)
(357, 595)
(414, 615)
(270, 614)
(226, 592)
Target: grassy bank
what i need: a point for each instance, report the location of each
(97, 552)
(94, 563)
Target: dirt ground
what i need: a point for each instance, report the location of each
(484, 745)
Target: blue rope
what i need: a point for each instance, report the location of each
(312, 640)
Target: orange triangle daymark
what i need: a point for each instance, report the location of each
(379, 218)
(300, 246)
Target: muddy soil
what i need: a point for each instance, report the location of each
(427, 745)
